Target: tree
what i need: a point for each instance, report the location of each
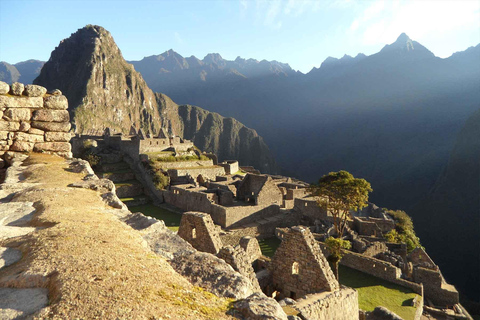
(339, 193)
(335, 247)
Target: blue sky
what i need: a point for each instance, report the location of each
(301, 33)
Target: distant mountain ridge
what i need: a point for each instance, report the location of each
(105, 91)
(24, 72)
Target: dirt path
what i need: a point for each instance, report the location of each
(93, 265)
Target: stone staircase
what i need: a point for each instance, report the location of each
(128, 188)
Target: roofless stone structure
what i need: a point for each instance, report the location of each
(299, 266)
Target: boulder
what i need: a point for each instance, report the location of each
(32, 90)
(4, 87)
(259, 307)
(17, 114)
(17, 88)
(212, 274)
(3, 135)
(9, 125)
(24, 102)
(52, 126)
(22, 146)
(56, 102)
(57, 136)
(52, 146)
(9, 256)
(51, 115)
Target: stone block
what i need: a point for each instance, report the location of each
(32, 90)
(22, 136)
(56, 102)
(36, 131)
(52, 146)
(17, 88)
(22, 146)
(4, 87)
(52, 126)
(55, 92)
(57, 136)
(3, 135)
(21, 102)
(9, 125)
(24, 126)
(17, 114)
(51, 115)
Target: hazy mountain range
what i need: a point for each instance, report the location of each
(394, 118)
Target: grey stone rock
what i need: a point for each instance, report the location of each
(22, 146)
(56, 102)
(9, 125)
(32, 90)
(139, 221)
(4, 87)
(55, 92)
(23, 102)
(52, 126)
(165, 242)
(47, 115)
(19, 303)
(83, 166)
(24, 126)
(212, 274)
(382, 313)
(113, 201)
(53, 146)
(17, 88)
(287, 302)
(57, 136)
(258, 307)
(100, 184)
(9, 256)
(17, 114)
(22, 136)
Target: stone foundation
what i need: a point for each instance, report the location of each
(341, 304)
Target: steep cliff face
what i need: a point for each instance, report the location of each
(211, 132)
(452, 210)
(102, 88)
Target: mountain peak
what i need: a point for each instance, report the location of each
(406, 46)
(402, 38)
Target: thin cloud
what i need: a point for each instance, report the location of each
(178, 38)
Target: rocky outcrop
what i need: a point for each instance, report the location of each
(226, 137)
(103, 90)
(259, 307)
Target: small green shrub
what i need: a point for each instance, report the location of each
(403, 232)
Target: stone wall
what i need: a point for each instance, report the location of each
(198, 229)
(435, 287)
(251, 247)
(231, 166)
(238, 259)
(341, 304)
(33, 120)
(309, 208)
(205, 172)
(299, 266)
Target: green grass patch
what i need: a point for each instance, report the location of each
(118, 171)
(269, 246)
(171, 219)
(240, 172)
(126, 183)
(374, 292)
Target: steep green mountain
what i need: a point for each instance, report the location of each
(452, 211)
(105, 91)
(24, 72)
(211, 132)
(102, 89)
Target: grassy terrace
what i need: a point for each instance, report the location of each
(372, 291)
(171, 219)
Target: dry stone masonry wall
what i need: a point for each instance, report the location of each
(33, 120)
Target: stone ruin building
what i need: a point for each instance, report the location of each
(263, 206)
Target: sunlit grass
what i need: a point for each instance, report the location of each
(171, 219)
